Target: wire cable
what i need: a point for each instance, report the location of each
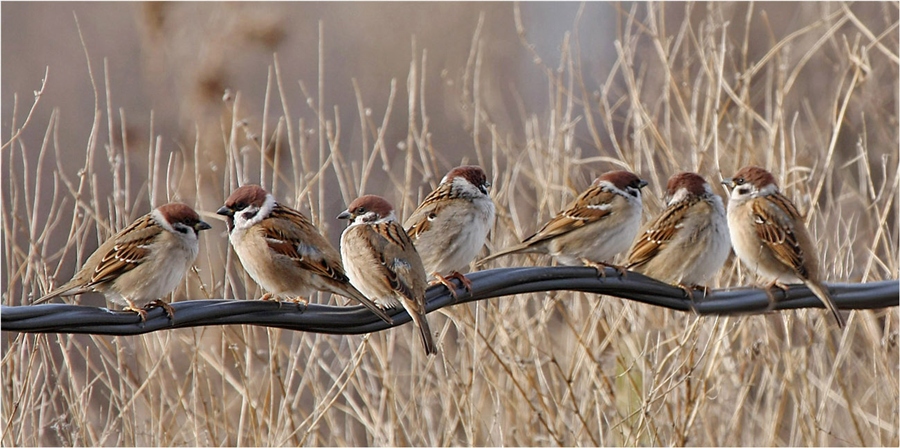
(64, 318)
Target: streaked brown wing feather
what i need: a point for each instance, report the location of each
(129, 249)
(310, 250)
(394, 280)
(574, 216)
(778, 236)
(419, 226)
(657, 234)
(420, 220)
(392, 242)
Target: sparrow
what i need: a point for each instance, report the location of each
(450, 226)
(382, 261)
(688, 242)
(769, 235)
(142, 263)
(283, 251)
(601, 222)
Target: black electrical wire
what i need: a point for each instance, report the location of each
(62, 318)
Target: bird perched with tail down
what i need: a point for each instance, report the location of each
(601, 222)
(283, 251)
(688, 242)
(141, 264)
(382, 261)
(769, 235)
(451, 224)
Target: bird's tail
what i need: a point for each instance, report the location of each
(427, 340)
(521, 247)
(822, 293)
(62, 291)
(45, 298)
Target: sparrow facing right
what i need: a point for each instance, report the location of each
(601, 222)
(769, 235)
(688, 242)
(283, 251)
(142, 263)
(451, 224)
(382, 261)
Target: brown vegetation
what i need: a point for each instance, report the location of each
(807, 90)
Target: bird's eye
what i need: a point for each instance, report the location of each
(739, 181)
(360, 210)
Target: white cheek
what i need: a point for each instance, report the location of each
(738, 197)
(240, 222)
(465, 186)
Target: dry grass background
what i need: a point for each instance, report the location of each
(809, 91)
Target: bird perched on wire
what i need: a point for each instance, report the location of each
(769, 236)
(382, 261)
(688, 242)
(283, 251)
(143, 263)
(451, 224)
(600, 223)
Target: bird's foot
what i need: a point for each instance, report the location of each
(689, 292)
(301, 302)
(139, 310)
(601, 267)
(170, 312)
(691, 288)
(769, 293)
(439, 279)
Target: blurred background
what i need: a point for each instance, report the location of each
(176, 60)
(320, 102)
(162, 71)
(166, 68)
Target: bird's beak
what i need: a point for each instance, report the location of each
(202, 225)
(642, 184)
(225, 211)
(728, 182)
(345, 215)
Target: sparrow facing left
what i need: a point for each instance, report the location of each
(688, 242)
(769, 235)
(451, 224)
(283, 251)
(601, 222)
(142, 263)
(382, 261)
